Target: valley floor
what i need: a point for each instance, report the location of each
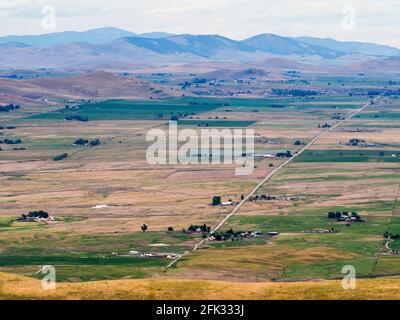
(100, 196)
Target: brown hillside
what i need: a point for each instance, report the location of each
(96, 85)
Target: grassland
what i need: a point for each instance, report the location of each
(17, 287)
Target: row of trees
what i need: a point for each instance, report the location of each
(287, 154)
(9, 107)
(77, 118)
(39, 214)
(8, 127)
(84, 142)
(338, 215)
(192, 228)
(11, 141)
(389, 235)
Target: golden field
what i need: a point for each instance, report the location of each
(18, 287)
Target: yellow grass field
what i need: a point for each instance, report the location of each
(18, 287)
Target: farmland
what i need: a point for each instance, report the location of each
(101, 195)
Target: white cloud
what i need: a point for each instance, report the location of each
(12, 4)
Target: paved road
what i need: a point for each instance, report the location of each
(269, 176)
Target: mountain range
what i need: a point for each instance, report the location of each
(117, 48)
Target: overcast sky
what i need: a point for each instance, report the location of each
(363, 20)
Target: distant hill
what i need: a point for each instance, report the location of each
(117, 54)
(244, 74)
(94, 36)
(351, 47)
(281, 64)
(14, 45)
(117, 49)
(156, 35)
(100, 85)
(286, 46)
(130, 51)
(212, 47)
(377, 66)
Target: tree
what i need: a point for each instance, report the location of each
(38, 214)
(144, 227)
(298, 143)
(81, 142)
(60, 157)
(170, 229)
(216, 201)
(331, 215)
(95, 142)
(217, 237)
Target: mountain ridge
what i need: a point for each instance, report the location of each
(117, 48)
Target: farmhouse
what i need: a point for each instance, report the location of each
(323, 231)
(345, 217)
(35, 216)
(153, 255)
(360, 143)
(265, 197)
(338, 116)
(267, 156)
(228, 203)
(197, 229)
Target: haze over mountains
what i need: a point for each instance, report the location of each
(117, 48)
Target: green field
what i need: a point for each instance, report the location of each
(349, 156)
(131, 110)
(216, 123)
(84, 257)
(166, 108)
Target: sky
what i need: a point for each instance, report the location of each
(361, 20)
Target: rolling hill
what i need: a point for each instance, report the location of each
(351, 47)
(99, 85)
(210, 47)
(244, 74)
(286, 46)
(116, 49)
(93, 36)
(378, 66)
